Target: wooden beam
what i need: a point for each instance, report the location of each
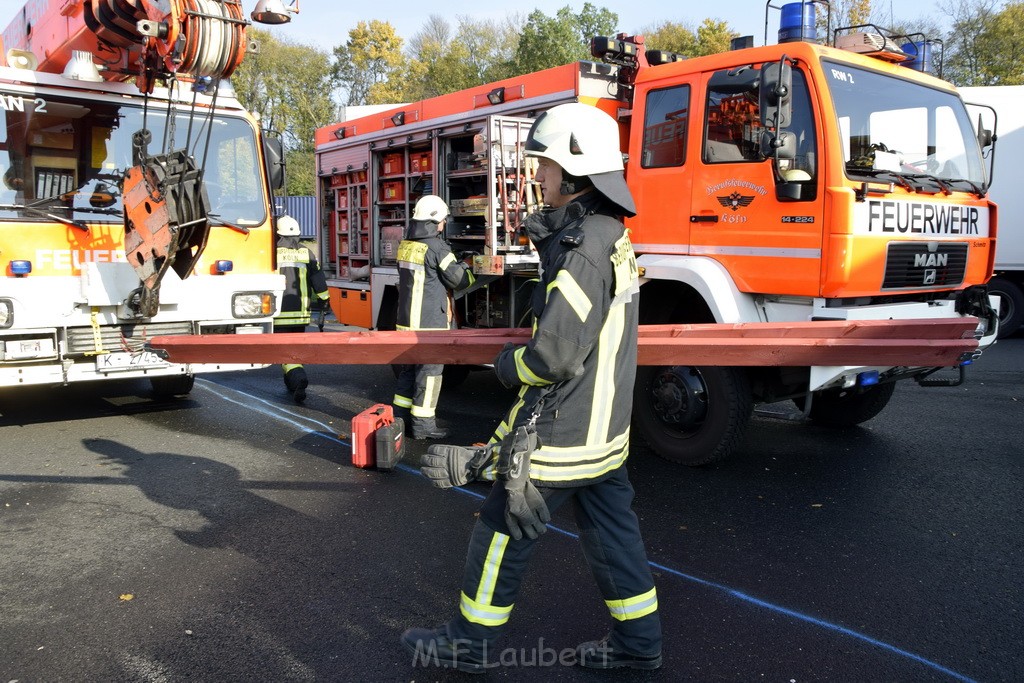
(925, 343)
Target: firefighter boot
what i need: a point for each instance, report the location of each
(296, 381)
(601, 654)
(434, 647)
(426, 428)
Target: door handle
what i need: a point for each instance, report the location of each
(703, 219)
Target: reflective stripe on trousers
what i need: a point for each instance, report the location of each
(418, 388)
(612, 545)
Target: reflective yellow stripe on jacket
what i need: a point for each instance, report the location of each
(411, 256)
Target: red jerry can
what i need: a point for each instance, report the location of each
(378, 438)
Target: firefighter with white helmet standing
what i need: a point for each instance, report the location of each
(304, 285)
(427, 269)
(566, 438)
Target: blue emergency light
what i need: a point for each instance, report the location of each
(921, 55)
(224, 266)
(867, 379)
(21, 268)
(798, 22)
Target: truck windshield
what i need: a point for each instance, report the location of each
(908, 132)
(64, 159)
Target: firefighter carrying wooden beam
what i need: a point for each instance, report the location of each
(566, 438)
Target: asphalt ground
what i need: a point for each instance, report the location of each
(225, 536)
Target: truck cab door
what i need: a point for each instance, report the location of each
(661, 163)
(759, 215)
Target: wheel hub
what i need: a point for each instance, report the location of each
(679, 397)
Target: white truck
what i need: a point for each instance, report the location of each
(1002, 110)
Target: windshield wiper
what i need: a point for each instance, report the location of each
(925, 178)
(220, 222)
(931, 178)
(975, 187)
(911, 182)
(29, 208)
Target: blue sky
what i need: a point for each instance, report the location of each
(326, 23)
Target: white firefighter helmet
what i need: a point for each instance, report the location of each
(288, 227)
(584, 141)
(431, 208)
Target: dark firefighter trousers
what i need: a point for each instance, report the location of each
(289, 329)
(417, 390)
(610, 535)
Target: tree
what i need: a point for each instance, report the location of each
(546, 41)
(288, 86)
(491, 45)
(368, 66)
(300, 173)
(984, 47)
(1000, 43)
(671, 36)
(713, 37)
(963, 47)
(709, 38)
(439, 69)
(437, 64)
(843, 13)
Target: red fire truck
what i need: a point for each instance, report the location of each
(786, 183)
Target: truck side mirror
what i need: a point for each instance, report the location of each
(985, 136)
(775, 94)
(778, 145)
(273, 150)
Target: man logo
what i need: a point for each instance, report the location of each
(930, 275)
(735, 201)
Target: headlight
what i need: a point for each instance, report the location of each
(6, 313)
(253, 305)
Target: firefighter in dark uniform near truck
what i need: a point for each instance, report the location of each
(566, 438)
(427, 269)
(304, 285)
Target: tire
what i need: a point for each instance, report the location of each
(849, 407)
(692, 415)
(169, 386)
(1011, 305)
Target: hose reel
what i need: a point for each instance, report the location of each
(195, 37)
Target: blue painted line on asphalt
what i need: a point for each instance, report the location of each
(739, 595)
(270, 409)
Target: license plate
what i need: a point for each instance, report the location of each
(119, 362)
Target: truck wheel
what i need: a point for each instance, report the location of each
(691, 415)
(169, 386)
(1011, 305)
(849, 407)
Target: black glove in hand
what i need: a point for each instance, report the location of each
(525, 510)
(526, 513)
(447, 466)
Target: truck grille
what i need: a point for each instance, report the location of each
(924, 265)
(130, 337)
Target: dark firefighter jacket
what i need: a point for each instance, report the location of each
(427, 268)
(581, 359)
(303, 279)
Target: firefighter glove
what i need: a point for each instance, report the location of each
(447, 466)
(526, 513)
